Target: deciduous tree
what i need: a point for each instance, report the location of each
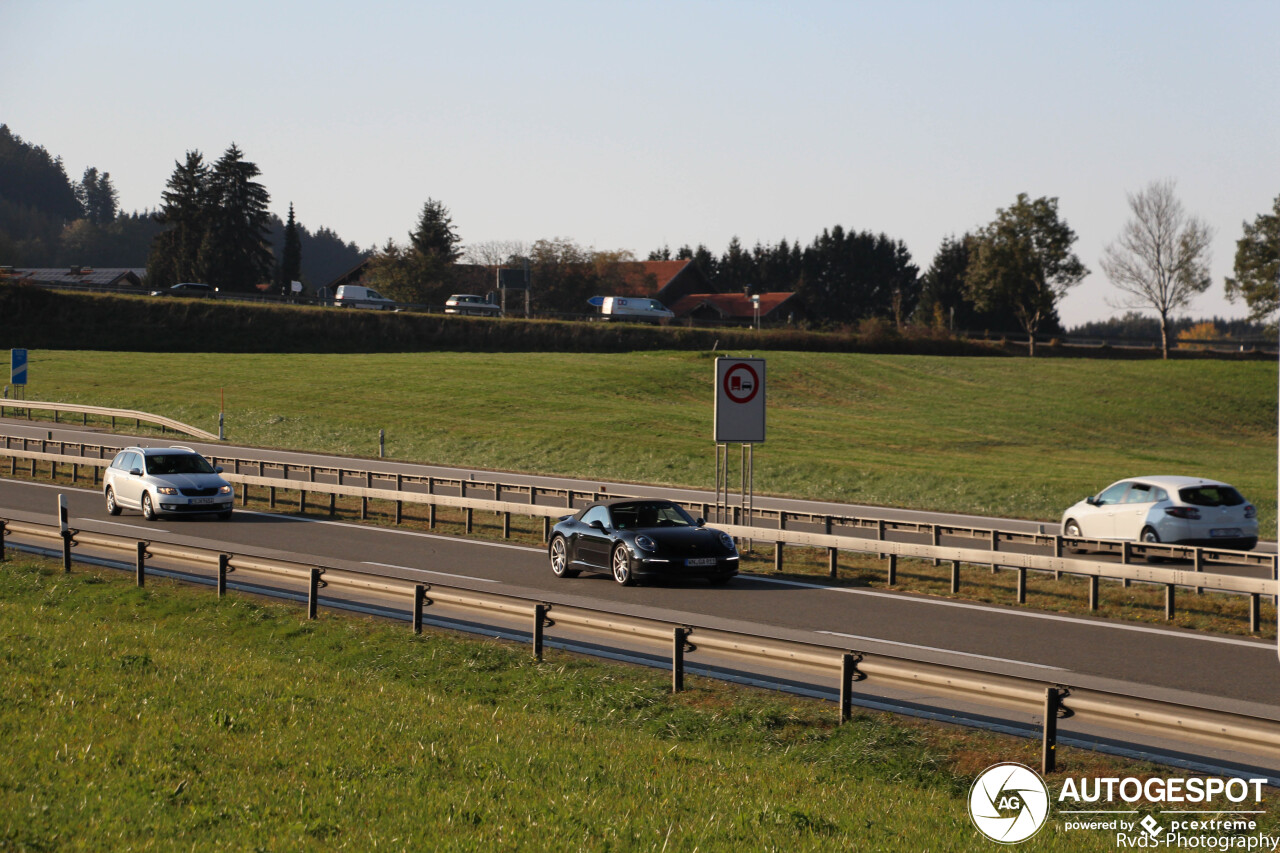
(1257, 267)
(1160, 261)
(1023, 261)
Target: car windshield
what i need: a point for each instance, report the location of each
(178, 463)
(1211, 496)
(641, 514)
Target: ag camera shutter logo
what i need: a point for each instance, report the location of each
(1009, 803)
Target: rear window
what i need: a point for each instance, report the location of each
(1211, 496)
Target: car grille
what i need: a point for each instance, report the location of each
(199, 493)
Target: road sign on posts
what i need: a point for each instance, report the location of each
(18, 366)
(740, 400)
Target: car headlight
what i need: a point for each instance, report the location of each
(166, 490)
(644, 543)
(225, 490)
(726, 540)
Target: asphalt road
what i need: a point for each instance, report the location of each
(1230, 673)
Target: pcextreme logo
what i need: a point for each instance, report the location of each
(1009, 803)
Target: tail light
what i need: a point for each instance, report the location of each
(1183, 512)
(1250, 511)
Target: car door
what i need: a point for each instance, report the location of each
(1131, 516)
(1099, 522)
(595, 542)
(128, 484)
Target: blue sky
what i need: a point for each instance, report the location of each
(627, 125)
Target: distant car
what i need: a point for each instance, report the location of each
(358, 296)
(1175, 510)
(165, 481)
(635, 309)
(468, 303)
(186, 288)
(640, 539)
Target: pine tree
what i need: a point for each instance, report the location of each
(175, 252)
(291, 257)
(235, 253)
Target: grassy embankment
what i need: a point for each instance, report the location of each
(162, 718)
(991, 436)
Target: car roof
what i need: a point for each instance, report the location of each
(1172, 482)
(615, 501)
(153, 451)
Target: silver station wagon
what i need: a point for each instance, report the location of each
(166, 481)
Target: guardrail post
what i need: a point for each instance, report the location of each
(995, 546)
(140, 569)
(65, 532)
(935, 539)
(955, 576)
(244, 495)
(892, 580)
(333, 504)
(431, 516)
(364, 508)
(1093, 592)
(1169, 595)
(1022, 584)
(271, 500)
(540, 624)
(4, 528)
(777, 556)
(1053, 697)
(679, 640)
(224, 566)
(833, 562)
(1199, 567)
(313, 593)
(302, 501)
(468, 514)
(546, 528)
(1255, 609)
(419, 597)
(506, 525)
(848, 672)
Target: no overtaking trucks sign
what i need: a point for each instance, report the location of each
(740, 400)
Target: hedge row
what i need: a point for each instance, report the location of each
(39, 318)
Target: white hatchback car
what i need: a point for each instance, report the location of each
(165, 481)
(1175, 510)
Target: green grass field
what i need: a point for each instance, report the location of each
(166, 719)
(1002, 436)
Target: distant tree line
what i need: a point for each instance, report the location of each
(49, 220)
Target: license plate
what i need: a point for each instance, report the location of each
(700, 561)
(1225, 531)
(202, 500)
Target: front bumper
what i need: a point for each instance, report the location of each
(678, 567)
(188, 506)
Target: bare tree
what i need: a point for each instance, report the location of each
(495, 253)
(1161, 258)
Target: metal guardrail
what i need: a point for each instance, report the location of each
(30, 406)
(976, 546)
(1052, 701)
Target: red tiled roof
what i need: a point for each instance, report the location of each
(731, 304)
(646, 278)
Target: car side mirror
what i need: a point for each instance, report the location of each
(1092, 501)
(597, 525)
(701, 522)
(217, 469)
(135, 472)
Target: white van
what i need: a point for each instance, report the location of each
(634, 308)
(356, 296)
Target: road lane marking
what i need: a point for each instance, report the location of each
(944, 651)
(430, 572)
(1054, 617)
(417, 533)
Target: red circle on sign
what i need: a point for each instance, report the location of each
(741, 389)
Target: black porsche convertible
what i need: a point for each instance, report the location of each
(640, 539)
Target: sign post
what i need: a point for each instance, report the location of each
(739, 419)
